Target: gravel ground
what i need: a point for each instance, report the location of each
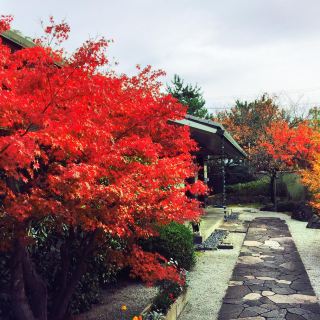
(307, 242)
(134, 295)
(209, 281)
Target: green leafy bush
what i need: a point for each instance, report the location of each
(175, 241)
(154, 315)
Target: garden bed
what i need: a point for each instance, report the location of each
(134, 296)
(176, 308)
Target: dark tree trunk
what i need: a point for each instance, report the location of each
(36, 289)
(61, 303)
(20, 304)
(29, 291)
(273, 190)
(272, 178)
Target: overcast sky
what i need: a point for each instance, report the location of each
(233, 49)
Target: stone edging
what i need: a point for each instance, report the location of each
(175, 309)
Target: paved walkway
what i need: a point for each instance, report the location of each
(269, 280)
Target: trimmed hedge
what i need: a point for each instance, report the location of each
(175, 241)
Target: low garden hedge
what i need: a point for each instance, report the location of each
(175, 241)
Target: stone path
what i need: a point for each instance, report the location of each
(269, 280)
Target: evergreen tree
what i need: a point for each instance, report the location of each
(190, 96)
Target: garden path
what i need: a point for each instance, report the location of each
(269, 281)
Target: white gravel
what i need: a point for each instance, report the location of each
(209, 281)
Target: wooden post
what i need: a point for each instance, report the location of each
(224, 201)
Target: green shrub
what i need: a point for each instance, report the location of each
(99, 273)
(175, 241)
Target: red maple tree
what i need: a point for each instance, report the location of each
(92, 149)
(293, 146)
(298, 148)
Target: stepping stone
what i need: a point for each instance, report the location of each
(252, 296)
(269, 281)
(252, 243)
(288, 265)
(293, 298)
(249, 260)
(235, 283)
(273, 244)
(251, 318)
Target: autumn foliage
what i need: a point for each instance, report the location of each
(311, 178)
(94, 150)
(298, 148)
(248, 122)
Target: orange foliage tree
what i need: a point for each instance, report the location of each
(298, 148)
(311, 178)
(95, 151)
(294, 146)
(249, 123)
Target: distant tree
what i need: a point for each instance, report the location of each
(314, 118)
(190, 96)
(299, 148)
(296, 146)
(249, 124)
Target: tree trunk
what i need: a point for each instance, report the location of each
(29, 291)
(20, 304)
(36, 289)
(271, 186)
(61, 303)
(273, 190)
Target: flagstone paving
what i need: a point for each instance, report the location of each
(269, 281)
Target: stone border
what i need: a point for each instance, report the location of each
(175, 309)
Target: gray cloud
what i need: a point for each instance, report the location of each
(232, 49)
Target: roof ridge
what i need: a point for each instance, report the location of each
(18, 38)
